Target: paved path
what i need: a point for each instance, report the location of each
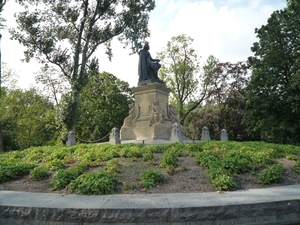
(276, 205)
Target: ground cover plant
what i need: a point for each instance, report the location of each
(134, 168)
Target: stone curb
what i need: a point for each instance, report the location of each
(278, 205)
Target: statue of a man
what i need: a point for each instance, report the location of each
(148, 67)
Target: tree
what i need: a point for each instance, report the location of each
(180, 65)
(225, 107)
(103, 105)
(7, 81)
(273, 94)
(67, 34)
(27, 119)
(54, 84)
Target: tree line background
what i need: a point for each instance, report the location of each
(258, 99)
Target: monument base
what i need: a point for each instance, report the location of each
(151, 117)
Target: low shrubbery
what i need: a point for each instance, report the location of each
(13, 169)
(297, 167)
(96, 183)
(168, 161)
(69, 165)
(62, 178)
(151, 178)
(272, 174)
(39, 173)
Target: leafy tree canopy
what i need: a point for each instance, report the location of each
(180, 67)
(103, 106)
(67, 34)
(273, 94)
(27, 119)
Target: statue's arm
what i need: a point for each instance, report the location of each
(153, 60)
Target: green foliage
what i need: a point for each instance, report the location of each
(272, 174)
(39, 173)
(131, 151)
(237, 162)
(222, 160)
(67, 34)
(79, 168)
(206, 158)
(154, 148)
(296, 168)
(151, 178)
(148, 156)
(55, 165)
(273, 94)
(13, 169)
(103, 105)
(27, 119)
(261, 158)
(221, 179)
(168, 161)
(291, 157)
(180, 64)
(62, 178)
(112, 166)
(96, 183)
(225, 83)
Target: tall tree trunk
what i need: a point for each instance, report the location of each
(74, 114)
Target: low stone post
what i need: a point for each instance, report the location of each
(205, 135)
(176, 133)
(114, 137)
(71, 138)
(224, 135)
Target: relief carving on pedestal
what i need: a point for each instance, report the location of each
(172, 114)
(134, 113)
(157, 114)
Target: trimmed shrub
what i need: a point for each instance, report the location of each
(151, 178)
(272, 174)
(96, 183)
(39, 173)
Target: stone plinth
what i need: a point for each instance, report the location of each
(151, 117)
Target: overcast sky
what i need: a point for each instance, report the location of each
(223, 28)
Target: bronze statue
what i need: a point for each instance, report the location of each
(148, 67)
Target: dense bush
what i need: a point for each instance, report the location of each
(10, 170)
(272, 174)
(62, 178)
(151, 178)
(221, 159)
(96, 183)
(221, 179)
(39, 173)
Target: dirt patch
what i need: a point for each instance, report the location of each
(188, 178)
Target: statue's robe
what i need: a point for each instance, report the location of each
(143, 69)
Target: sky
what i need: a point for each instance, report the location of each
(223, 28)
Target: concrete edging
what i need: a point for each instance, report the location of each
(278, 205)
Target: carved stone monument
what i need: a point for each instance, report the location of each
(205, 135)
(176, 134)
(71, 138)
(224, 135)
(114, 137)
(151, 117)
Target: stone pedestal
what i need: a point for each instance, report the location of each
(151, 117)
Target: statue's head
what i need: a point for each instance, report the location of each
(146, 46)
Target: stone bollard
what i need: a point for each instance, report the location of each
(205, 136)
(224, 135)
(176, 133)
(114, 137)
(71, 138)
